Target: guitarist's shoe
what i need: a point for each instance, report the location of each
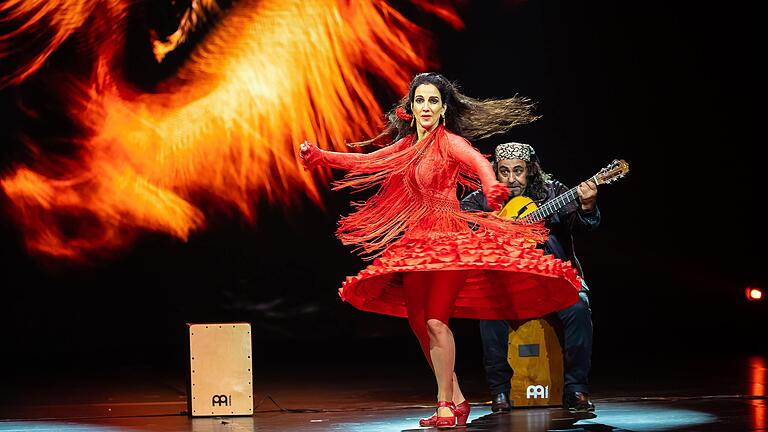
(578, 402)
(501, 403)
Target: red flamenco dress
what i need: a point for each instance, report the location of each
(414, 224)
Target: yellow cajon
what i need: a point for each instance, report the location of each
(536, 357)
(220, 377)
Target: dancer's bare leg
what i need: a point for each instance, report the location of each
(442, 348)
(458, 396)
(443, 289)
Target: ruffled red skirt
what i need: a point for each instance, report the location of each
(507, 276)
(414, 223)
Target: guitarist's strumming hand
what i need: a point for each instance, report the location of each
(587, 195)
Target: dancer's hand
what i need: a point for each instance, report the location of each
(496, 195)
(310, 155)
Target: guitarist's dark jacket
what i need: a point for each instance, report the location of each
(562, 224)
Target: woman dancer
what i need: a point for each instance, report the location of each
(430, 265)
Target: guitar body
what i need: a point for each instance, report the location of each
(517, 207)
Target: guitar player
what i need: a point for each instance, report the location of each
(518, 166)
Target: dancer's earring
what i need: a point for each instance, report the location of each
(413, 120)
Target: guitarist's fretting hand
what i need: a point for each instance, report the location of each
(587, 195)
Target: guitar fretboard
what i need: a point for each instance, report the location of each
(556, 204)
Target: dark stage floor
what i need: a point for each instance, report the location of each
(680, 392)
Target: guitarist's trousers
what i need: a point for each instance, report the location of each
(577, 332)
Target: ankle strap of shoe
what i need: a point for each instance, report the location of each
(449, 404)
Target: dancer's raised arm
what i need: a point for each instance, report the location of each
(496, 193)
(313, 156)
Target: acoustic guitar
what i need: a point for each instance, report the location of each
(522, 207)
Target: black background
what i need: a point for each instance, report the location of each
(671, 88)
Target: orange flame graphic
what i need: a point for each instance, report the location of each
(221, 132)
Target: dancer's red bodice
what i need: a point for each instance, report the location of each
(414, 223)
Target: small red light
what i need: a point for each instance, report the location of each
(754, 294)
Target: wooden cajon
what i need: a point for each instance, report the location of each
(220, 377)
(536, 357)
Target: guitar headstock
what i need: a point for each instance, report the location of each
(614, 171)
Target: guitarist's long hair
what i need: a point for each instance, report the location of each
(537, 179)
(471, 118)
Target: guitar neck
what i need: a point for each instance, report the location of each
(556, 204)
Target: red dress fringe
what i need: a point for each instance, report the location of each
(414, 223)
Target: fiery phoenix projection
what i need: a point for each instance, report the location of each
(220, 132)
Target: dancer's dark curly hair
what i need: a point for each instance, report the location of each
(468, 117)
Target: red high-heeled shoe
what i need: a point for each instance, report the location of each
(429, 421)
(446, 421)
(462, 414)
